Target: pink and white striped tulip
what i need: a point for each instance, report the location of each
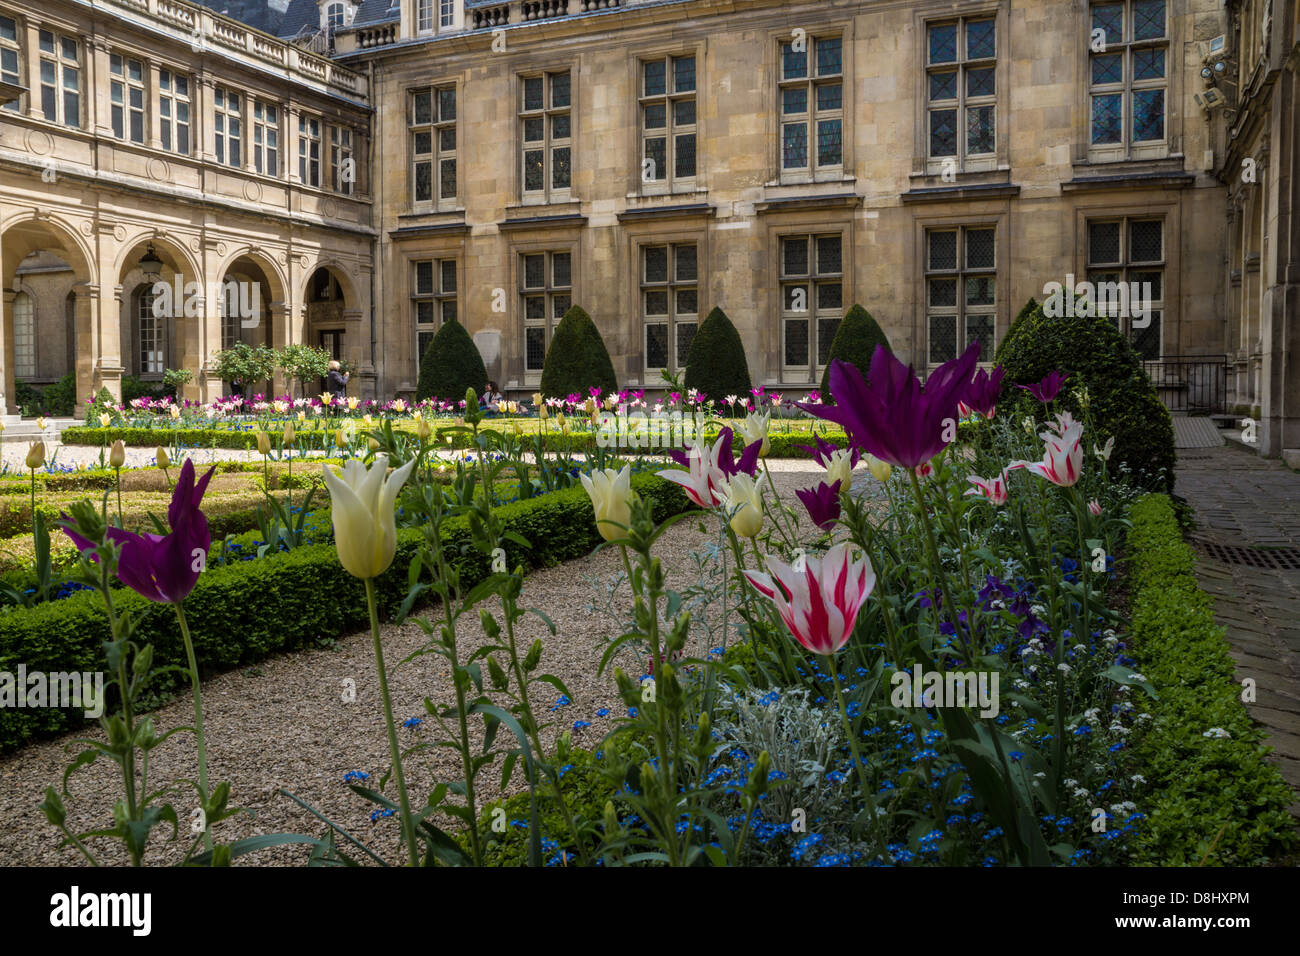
(1094, 508)
(704, 482)
(994, 489)
(820, 603)
(1062, 456)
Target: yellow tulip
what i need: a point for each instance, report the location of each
(117, 455)
(537, 399)
(362, 508)
(340, 437)
(302, 416)
(880, 470)
(399, 405)
(160, 456)
(40, 423)
(611, 497)
(176, 411)
(352, 404)
(326, 399)
(263, 443)
(374, 445)
(289, 435)
(543, 413)
(36, 455)
(745, 499)
(754, 428)
(366, 420)
(104, 420)
(422, 429)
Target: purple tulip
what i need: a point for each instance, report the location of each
(165, 568)
(1048, 388)
(823, 504)
(727, 463)
(982, 394)
(893, 416)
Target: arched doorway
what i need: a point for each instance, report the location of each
(330, 309)
(247, 298)
(160, 316)
(45, 344)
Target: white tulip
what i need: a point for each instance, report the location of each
(611, 497)
(362, 506)
(754, 428)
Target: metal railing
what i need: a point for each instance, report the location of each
(1196, 384)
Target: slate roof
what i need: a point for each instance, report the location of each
(376, 11)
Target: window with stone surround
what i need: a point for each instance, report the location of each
(433, 300)
(546, 292)
(812, 302)
(546, 136)
(174, 111)
(960, 290)
(432, 133)
(60, 66)
(309, 150)
(811, 105)
(24, 336)
(11, 55)
(424, 16)
(961, 90)
(1130, 251)
(126, 97)
(343, 165)
(227, 126)
(670, 303)
(151, 334)
(668, 140)
(446, 13)
(266, 138)
(1128, 78)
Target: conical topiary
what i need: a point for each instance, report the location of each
(855, 342)
(577, 359)
(716, 363)
(450, 365)
(1122, 402)
(1015, 329)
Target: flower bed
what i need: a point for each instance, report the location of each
(245, 610)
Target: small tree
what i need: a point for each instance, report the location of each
(450, 365)
(242, 365)
(577, 358)
(716, 363)
(855, 342)
(303, 362)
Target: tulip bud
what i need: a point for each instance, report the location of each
(117, 454)
(263, 443)
(340, 437)
(422, 429)
(363, 513)
(880, 470)
(537, 399)
(36, 455)
(534, 655)
(754, 428)
(289, 435)
(543, 412)
(374, 445)
(496, 675)
(611, 498)
(160, 456)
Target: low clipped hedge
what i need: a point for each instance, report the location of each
(243, 611)
(186, 437)
(1197, 785)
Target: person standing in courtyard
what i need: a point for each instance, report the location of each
(336, 382)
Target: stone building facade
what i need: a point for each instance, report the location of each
(148, 141)
(937, 162)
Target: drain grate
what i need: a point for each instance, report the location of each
(1275, 559)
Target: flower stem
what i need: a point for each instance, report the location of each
(198, 722)
(857, 760)
(408, 833)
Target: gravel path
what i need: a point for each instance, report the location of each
(283, 723)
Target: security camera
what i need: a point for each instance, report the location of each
(1210, 99)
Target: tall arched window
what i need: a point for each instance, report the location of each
(24, 336)
(151, 335)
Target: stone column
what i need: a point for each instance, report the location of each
(88, 345)
(279, 314)
(7, 405)
(98, 95)
(109, 366)
(155, 109)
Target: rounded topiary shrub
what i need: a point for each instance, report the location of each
(577, 359)
(855, 342)
(1122, 401)
(450, 365)
(716, 364)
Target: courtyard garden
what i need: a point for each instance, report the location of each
(882, 623)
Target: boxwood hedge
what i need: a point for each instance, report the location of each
(1216, 798)
(243, 611)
